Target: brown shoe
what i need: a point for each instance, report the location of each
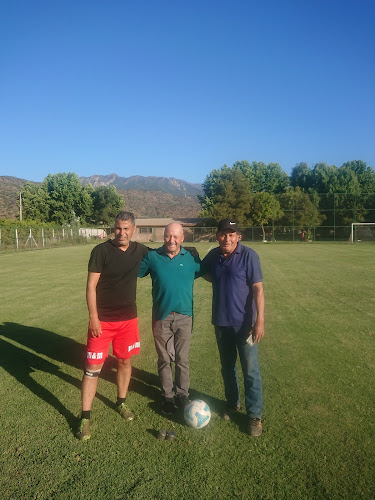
(229, 411)
(255, 427)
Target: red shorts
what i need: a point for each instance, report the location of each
(124, 336)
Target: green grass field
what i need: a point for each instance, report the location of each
(317, 363)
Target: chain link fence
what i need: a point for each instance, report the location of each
(298, 217)
(23, 238)
(36, 238)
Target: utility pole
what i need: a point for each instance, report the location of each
(20, 206)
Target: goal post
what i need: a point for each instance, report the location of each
(368, 231)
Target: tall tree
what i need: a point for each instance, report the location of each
(62, 199)
(107, 203)
(365, 175)
(230, 197)
(265, 208)
(64, 191)
(269, 178)
(302, 177)
(85, 205)
(35, 202)
(301, 210)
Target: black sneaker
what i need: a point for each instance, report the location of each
(167, 406)
(182, 402)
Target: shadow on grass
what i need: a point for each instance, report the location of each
(148, 385)
(19, 362)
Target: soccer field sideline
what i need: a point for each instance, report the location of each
(319, 416)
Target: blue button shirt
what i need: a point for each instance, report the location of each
(232, 280)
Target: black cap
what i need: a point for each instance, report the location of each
(226, 224)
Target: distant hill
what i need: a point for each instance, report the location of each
(9, 194)
(165, 184)
(152, 196)
(148, 204)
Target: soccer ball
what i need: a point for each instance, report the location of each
(197, 414)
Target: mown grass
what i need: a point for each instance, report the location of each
(317, 362)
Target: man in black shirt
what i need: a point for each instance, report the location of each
(111, 301)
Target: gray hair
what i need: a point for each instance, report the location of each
(125, 216)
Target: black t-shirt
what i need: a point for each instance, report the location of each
(117, 285)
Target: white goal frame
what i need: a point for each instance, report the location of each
(359, 224)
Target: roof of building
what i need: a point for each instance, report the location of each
(162, 222)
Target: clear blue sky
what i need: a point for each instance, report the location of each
(177, 88)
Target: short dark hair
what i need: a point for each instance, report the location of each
(125, 216)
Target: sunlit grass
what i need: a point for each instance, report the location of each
(317, 362)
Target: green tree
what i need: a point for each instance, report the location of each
(228, 191)
(227, 194)
(106, 204)
(64, 190)
(212, 184)
(302, 177)
(301, 210)
(265, 208)
(268, 178)
(365, 175)
(85, 205)
(63, 200)
(35, 202)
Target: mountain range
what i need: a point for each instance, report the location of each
(144, 196)
(165, 184)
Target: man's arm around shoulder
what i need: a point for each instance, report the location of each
(205, 268)
(144, 269)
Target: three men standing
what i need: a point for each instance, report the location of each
(173, 270)
(237, 314)
(238, 317)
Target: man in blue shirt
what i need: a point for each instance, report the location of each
(238, 317)
(173, 270)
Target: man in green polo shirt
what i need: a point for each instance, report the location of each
(173, 270)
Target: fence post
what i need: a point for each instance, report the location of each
(43, 237)
(293, 219)
(30, 238)
(334, 217)
(16, 239)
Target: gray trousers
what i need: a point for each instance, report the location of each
(172, 337)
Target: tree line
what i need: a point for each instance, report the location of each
(257, 194)
(61, 199)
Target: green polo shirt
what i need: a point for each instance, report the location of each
(172, 281)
